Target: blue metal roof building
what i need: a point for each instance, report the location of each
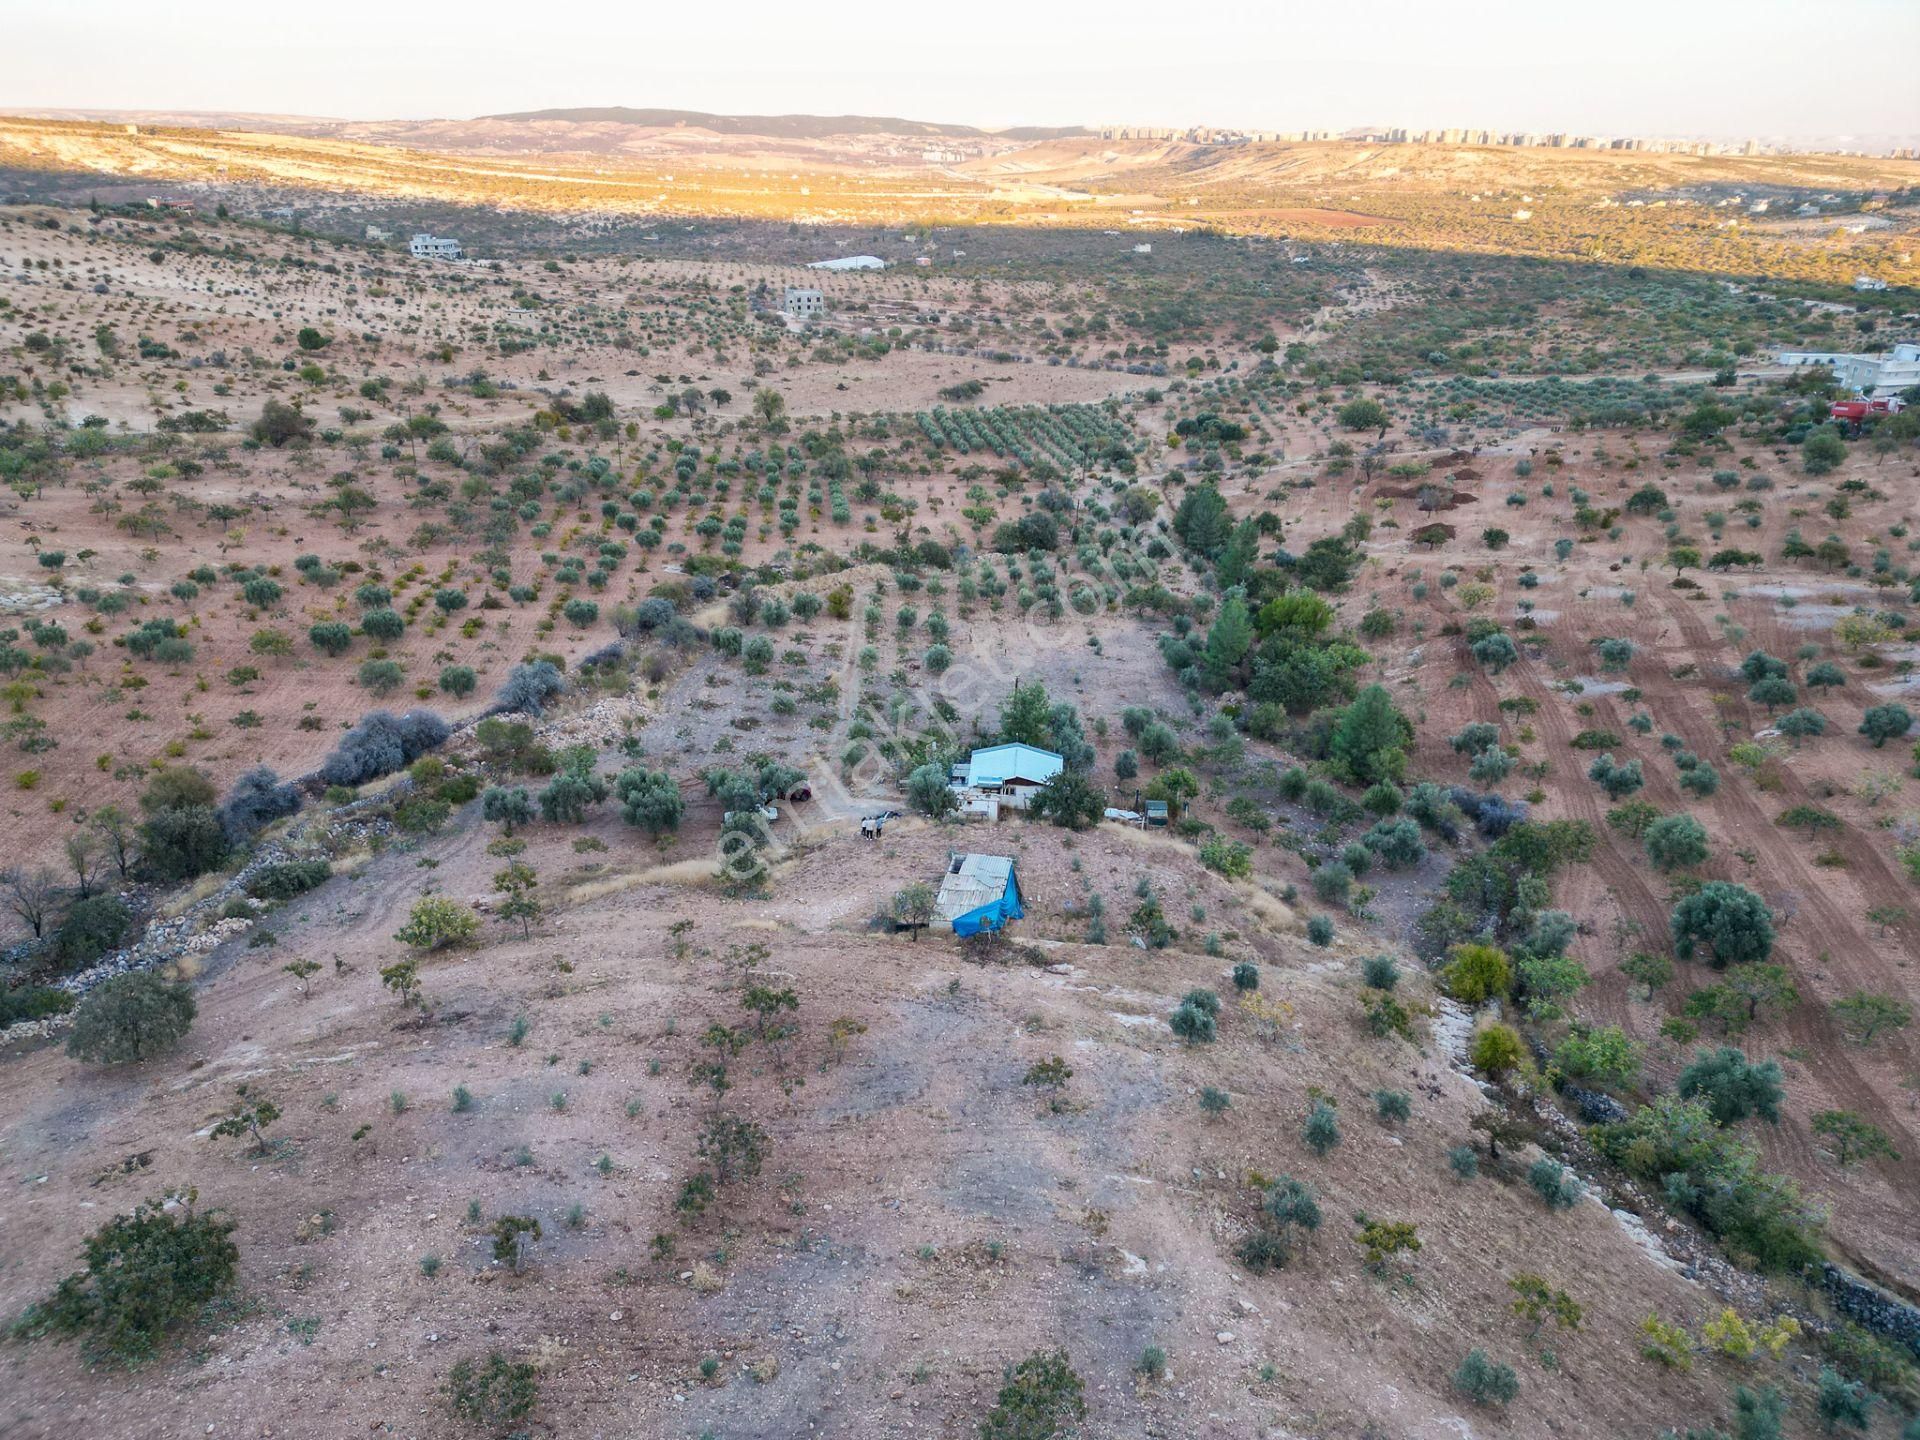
(1007, 764)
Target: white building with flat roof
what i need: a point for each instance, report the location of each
(433, 247)
(1871, 375)
(803, 304)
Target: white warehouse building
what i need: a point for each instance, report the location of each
(850, 262)
(433, 247)
(1871, 375)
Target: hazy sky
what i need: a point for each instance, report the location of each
(1650, 67)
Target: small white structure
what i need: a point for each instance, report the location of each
(850, 262)
(433, 247)
(377, 236)
(803, 304)
(1868, 282)
(1143, 248)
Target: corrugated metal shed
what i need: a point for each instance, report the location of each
(979, 892)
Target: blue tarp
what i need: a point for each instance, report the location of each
(995, 915)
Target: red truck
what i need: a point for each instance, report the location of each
(1857, 410)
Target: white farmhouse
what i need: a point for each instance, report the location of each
(1870, 375)
(803, 304)
(1003, 776)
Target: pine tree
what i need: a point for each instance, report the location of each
(1227, 643)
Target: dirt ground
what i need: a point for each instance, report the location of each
(1826, 939)
(923, 1217)
(218, 311)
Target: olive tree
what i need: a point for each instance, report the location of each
(1675, 842)
(1882, 723)
(1729, 919)
(130, 1018)
(1733, 1087)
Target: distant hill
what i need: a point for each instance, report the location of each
(780, 127)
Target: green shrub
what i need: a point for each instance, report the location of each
(33, 1002)
(1485, 1381)
(1229, 857)
(422, 815)
(1383, 799)
(495, 1393)
(287, 879)
(1841, 1402)
(436, 921)
(146, 1274)
(1380, 972)
(1555, 1184)
(1598, 1055)
(1711, 1174)
(1333, 882)
(1385, 1015)
(1039, 1398)
(1880, 1364)
(1397, 843)
(180, 842)
(1668, 1346)
(1477, 973)
(459, 789)
(1193, 1024)
(91, 928)
(1496, 1050)
(1321, 1133)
